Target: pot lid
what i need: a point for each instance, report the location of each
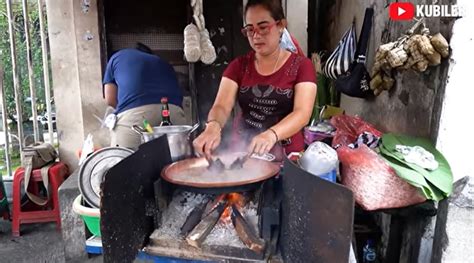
(94, 168)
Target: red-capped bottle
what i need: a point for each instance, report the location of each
(165, 113)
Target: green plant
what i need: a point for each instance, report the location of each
(21, 59)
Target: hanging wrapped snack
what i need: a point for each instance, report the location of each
(376, 81)
(434, 59)
(413, 47)
(197, 42)
(397, 56)
(378, 91)
(380, 57)
(387, 82)
(421, 65)
(192, 43)
(425, 44)
(413, 50)
(440, 44)
(208, 52)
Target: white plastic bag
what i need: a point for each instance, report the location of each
(87, 148)
(287, 43)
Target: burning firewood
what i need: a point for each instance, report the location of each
(245, 232)
(193, 218)
(202, 230)
(213, 204)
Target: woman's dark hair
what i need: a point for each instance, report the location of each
(144, 48)
(273, 6)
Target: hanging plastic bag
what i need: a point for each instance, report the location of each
(287, 43)
(341, 58)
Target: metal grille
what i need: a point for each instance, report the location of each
(155, 41)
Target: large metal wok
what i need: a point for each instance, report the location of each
(194, 174)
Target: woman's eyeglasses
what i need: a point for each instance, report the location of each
(249, 31)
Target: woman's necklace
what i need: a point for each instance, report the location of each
(276, 63)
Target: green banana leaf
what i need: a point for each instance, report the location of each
(441, 178)
(323, 97)
(412, 177)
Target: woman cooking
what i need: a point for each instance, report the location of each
(275, 88)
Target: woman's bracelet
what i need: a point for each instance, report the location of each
(274, 132)
(218, 124)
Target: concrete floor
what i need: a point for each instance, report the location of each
(37, 243)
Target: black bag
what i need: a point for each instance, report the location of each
(356, 81)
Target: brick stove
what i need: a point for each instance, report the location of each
(243, 226)
(294, 217)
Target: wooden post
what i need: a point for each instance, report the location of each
(47, 86)
(5, 123)
(193, 89)
(16, 79)
(31, 79)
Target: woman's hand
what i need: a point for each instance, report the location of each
(208, 141)
(263, 143)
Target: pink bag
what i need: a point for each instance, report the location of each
(375, 184)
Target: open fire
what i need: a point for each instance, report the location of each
(225, 209)
(212, 222)
(233, 200)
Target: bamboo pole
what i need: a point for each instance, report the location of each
(16, 79)
(5, 124)
(31, 78)
(47, 86)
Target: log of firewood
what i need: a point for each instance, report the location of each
(246, 232)
(193, 218)
(202, 230)
(211, 205)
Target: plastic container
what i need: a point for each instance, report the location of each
(331, 176)
(313, 136)
(321, 160)
(91, 216)
(369, 252)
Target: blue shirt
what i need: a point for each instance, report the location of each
(141, 79)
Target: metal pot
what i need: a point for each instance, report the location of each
(178, 139)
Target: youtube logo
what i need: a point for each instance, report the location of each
(402, 11)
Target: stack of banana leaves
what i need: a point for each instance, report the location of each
(436, 184)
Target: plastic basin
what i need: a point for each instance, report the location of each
(91, 216)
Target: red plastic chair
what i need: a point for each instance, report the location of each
(32, 213)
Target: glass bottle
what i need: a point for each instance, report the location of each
(165, 113)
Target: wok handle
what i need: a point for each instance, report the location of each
(138, 129)
(194, 128)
